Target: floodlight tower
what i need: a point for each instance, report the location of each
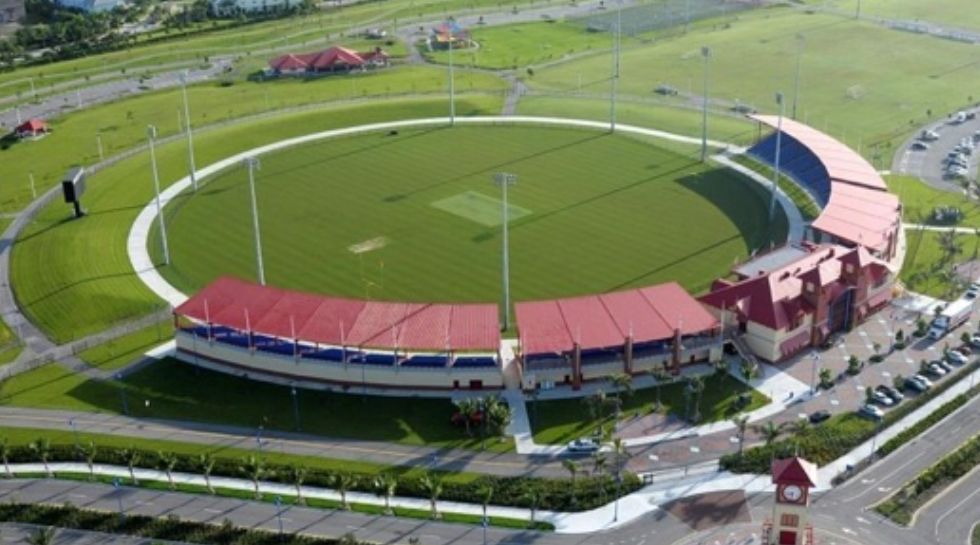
(779, 144)
(253, 164)
(706, 54)
(151, 134)
(800, 43)
(190, 133)
(617, 42)
(452, 79)
(504, 179)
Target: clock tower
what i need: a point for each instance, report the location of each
(790, 524)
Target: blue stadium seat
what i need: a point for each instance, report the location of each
(329, 354)
(426, 361)
(798, 162)
(475, 361)
(599, 356)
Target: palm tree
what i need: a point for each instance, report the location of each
(205, 461)
(468, 408)
(825, 376)
(533, 496)
(595, 404)
(42, 536)
(298, 474)
(660, 376)
(799, 429)
(696, 386)
(573, 468)
(89, 451)
(343, 482)
(133, 458)
(623, 384)
(497, 415)
(168, 461)
(41, 449)
(5, 456)
(432, 484)
(598, 463)
(748, 371)
(254, 469)
(485, 492)
(741, 426)
(385, 485)
(769, 432)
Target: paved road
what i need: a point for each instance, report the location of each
(20, 533)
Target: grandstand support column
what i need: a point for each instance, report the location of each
(675, 355)
(779, 143)
(151, 135)
(504, 179)
(628, 356)
(577, 367)
(800, 43)
(253, 164)
(706, 54)
(190, 133)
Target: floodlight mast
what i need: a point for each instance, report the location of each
(706, 54)
(617, 40)
(151, 134)
(190, 133)
(800, 43)
(253, 164)
(452, 80)
(779, 144)
(504, 179)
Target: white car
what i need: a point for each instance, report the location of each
(871, 411)
(956, 357)
(882, 399)
(921, 379)
(583, 444)
(975, 341)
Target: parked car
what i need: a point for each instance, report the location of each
(956, 358)
(819, 416)
(583, 444)
(891, 392)
(922, 379)
(920, 145)
(934, 370)
(881, 398)
(946, 367)
(915, 385)
(870, 411)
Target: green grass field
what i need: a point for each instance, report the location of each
(596, 213)
(127, 349)
(174, 390)
(560, 421)
(73, 278)
(919, 200)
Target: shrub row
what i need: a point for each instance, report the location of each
(170, 528)
(934, 417)
(552, 494)
(832, 439)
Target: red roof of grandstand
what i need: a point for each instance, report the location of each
(775, 297)
(842, 163)
(324, 60)
(338, 321)
(863, 216)
(32, 125)
(607, 320)
(290, 62)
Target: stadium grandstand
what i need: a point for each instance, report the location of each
(233, 324)
(568, 341)
(334, 59)
(857, 208)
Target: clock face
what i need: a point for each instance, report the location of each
(792, 493)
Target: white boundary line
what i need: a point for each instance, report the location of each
(137, 245)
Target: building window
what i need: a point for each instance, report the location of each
(789, 520)
(849, 268)
(809, 286)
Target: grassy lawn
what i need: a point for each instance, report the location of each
(73, 278)
(174, 390)
(123, 124)
(952, 13)
(803, 201)
(560, 421)
(925, 264)
(919, 200)
(585, 230)
(860, 82)
(24, 436)
(644, 113)
(129, 348)
(522, 45)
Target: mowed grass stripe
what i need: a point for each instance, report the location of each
(607, 212)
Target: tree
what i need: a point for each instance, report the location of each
(596, 404)
(598, 463)
(826, 381)
(385, 485)
(966, 337)
(623, 384)
(869, 394)
(898, 381)
(497, 414)
(41, 449)
(42, 536)
(741, 423)
(572, 467)
(168, 461)
(876, 347)
(132, 457)
(769, 432)
(853, 365)
(799, 429)
(485, 493)
(343, 482)
(748, 371)
(298, 473)
(5, 457)
(254, 469)
(205, 461)
(468, 409)
(89, 451)
(533, 496)
(660, 376)
(696, 386)
(432, 485)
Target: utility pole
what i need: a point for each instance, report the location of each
(779, 144)
(857, 14)
(504, 179)
(190, 132)
(30, 175)
(706, 54)
(800, 42)
(98, 144)
(452, 80)
(151, 134)
(253, 164)
(617, 39)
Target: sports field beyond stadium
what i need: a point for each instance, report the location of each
(590, 212)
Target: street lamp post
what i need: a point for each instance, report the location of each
(117, 485)
(279, 514)
(74, 430)
(151, 133)
(253, 164)
(98, 144)
(504, 179)
(295, 395)
(614, 81)
(813, 373)
(779, 144)
(190, 133)
(452, 80)
(706, 54)
(122, 394)
(800, 42)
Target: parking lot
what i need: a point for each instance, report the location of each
(928, 158)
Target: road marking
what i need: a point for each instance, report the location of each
(862, 520)
(953, 509)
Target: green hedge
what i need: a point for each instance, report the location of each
(934, 417)
(170, 528)
(826, 442)
(556, 494)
